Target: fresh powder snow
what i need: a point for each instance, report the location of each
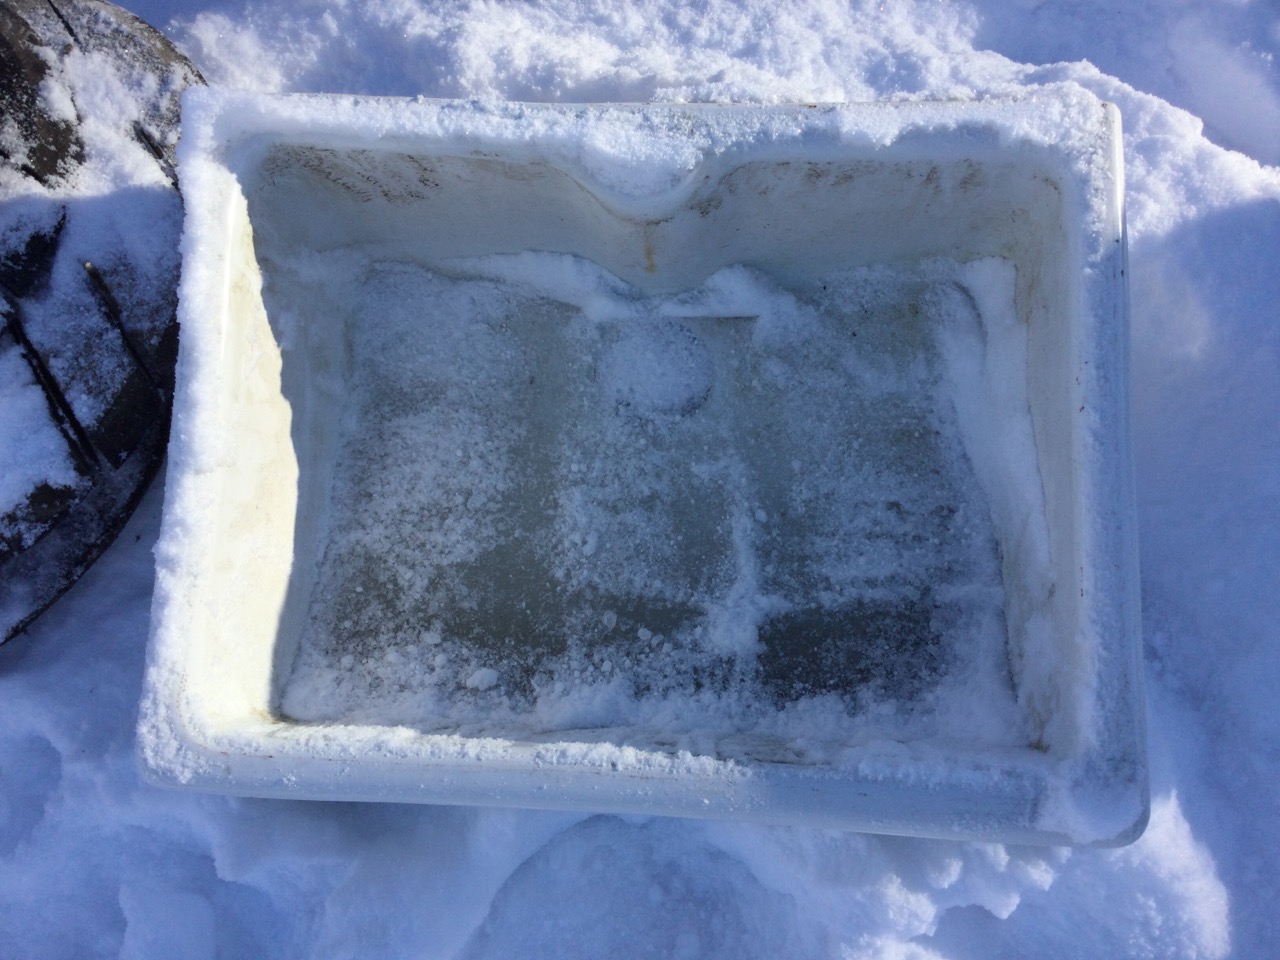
(94, 862)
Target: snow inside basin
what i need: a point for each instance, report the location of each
(722, 461)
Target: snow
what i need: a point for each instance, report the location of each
(135, 871)
(32, 455)
(504, 449)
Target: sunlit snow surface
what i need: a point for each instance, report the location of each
(93, 863)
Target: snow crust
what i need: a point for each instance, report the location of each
(608, 510)
(138, 872)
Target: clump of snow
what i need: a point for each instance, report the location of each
(483, 679)
(34, 449)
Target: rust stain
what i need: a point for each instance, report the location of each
(650, 264)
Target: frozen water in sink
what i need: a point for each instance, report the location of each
(562, 505)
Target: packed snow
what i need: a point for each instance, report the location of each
(94, 862)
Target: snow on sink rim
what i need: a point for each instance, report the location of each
(224, 738)
(637, 155)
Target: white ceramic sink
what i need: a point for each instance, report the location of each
(720, 461)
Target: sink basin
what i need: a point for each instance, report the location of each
(722, 461)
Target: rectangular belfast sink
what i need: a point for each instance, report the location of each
(727, 461)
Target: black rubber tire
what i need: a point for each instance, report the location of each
(125, 368)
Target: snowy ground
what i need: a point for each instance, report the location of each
(94, 863)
